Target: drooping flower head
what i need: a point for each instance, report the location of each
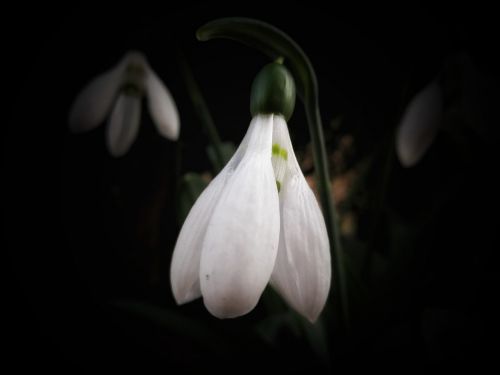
(120, 91)
(257, 221)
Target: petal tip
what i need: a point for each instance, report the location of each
(183, 298)
(312, 318)
(229, 307)
(183, 290)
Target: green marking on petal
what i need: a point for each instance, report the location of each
(276, 149)
(280, 152)
(278, 185)
(284, 154)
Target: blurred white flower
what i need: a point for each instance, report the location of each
(419, 125)
(120, 91)
(257, 221)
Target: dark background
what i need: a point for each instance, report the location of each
(83, 229)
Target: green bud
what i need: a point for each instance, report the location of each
(273, 91)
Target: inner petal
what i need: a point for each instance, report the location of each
(280, 151)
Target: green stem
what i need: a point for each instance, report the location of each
(202, 112)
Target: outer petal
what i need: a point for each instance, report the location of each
(94, 102)
(242, 237)
(302, 272)
(162, 107)
(419, 125)
(124, 124)
(185, 266)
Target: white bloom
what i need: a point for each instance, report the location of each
(419, 125)
(241, 232)
(120, 91)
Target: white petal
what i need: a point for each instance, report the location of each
(94, 102)
(302, 272)
(185, 266)
(124, 124)
(419, 125)
(242, 236)
(162, 107)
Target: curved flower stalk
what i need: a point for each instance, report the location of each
(120, 91)
(257, 221)
(419, 125)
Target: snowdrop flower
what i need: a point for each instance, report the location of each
(120, 91)
(419, 125)
(257, 221)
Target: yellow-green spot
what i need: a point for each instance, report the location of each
(284, 154)
(278, 185)
(280, 152)
(276, 149)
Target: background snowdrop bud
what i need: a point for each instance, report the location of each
(119, 93)
(273, 91)
(419, 125)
